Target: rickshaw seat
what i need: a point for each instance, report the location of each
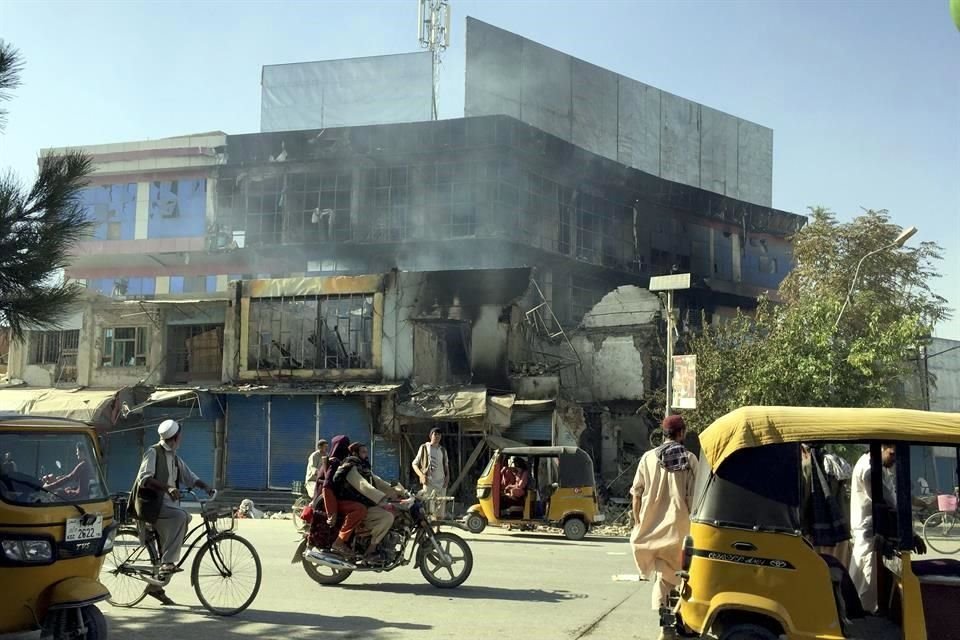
(940, 571)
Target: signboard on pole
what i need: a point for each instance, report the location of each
(684, 382)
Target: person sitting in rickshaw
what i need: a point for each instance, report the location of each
(76, 484)
(514, 482)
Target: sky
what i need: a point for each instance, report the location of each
(863, 96)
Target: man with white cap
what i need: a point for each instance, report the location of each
(163, 472)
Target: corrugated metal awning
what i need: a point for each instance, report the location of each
(157, 397)
(346, 389)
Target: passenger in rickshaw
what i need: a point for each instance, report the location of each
(513, 482)
(75, 484)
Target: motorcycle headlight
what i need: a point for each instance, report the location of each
(31, 551)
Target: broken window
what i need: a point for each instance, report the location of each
(125, 347)
(195, 352)
(441, 352)
(311, 332)
(585, 293)
(388, 193)
(49, 347)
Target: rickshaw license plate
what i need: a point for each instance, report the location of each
(76, 530)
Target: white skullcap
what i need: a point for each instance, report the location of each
(168, 429)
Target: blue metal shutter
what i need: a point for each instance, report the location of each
(386, 458)
(531, 427)
(247, 442)
(123, 455)
(344, 416)
(293, 427)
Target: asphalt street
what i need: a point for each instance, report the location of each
(524, 585)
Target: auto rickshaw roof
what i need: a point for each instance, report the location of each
(43, 422)
(759, 426)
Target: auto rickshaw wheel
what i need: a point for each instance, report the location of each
(748, 632)
(476, 522)
(69, 624)
(575, 529)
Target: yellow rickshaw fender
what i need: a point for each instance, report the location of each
(572, 514)
(750, 603)
(475, 509)
(76, 592)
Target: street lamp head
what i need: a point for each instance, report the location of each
(905, 235)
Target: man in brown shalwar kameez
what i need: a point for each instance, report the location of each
(662, 493)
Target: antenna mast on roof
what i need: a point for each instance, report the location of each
(433, 31)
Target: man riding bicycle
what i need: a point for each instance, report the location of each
(157, 493)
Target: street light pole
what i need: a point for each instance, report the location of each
(669, 284)
(905, 235)
(896, 244)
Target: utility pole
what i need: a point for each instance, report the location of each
(675, 282)
(433, 32)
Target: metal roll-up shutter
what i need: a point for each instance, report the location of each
(123, 455)
(197, 446)
(386, 458)
(344, 416)
(531, 427)
(293, 429)
(247, 442)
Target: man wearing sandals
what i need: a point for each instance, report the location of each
(162, 471)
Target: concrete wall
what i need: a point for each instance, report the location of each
(616, 117)
(943, 361)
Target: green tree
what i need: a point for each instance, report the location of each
(792, 351)
(39, 223)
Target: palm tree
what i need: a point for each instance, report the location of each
(39, 224)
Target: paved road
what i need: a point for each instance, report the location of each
(524, 585)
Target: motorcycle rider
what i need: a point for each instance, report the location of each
(355, 481)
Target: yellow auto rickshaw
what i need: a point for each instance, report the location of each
(56, 524)
(749, 567)
(559, 490)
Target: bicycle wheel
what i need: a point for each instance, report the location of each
(126, 589)
(298, 506)
(941, 532)
(229, 579)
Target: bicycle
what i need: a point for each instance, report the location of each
(132, 567)
(300, 502)
(941, 531)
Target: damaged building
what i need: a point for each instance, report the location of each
(484, 274)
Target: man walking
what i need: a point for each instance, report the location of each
(433, 468)
(161, 473)
(316, 467)
(662, 493)
(861, 520)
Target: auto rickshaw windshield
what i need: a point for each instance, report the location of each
(47, 467)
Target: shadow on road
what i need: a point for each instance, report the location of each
(467, 592)
(551, 539)
(507, 539)
(269, 624)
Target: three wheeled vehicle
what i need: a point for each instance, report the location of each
(749, 570)
(560, 491)
(56, 524)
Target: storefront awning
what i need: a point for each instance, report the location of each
(86, 405)
(344, 389)
(445, 404)
(180, 395)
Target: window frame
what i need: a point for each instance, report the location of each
(140, 341)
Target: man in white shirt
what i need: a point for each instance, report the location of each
(316, 468)
(433, 468)
(862, 562)
(163, 471)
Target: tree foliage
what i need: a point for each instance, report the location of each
(789, 351)
(38, 225)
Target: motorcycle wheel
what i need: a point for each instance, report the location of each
(327, 576)
(432, 567)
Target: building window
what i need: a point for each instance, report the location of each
(196, 352)
(125, 347)
(767, 265)
(311, 332)
(388, 192)
(584, 295)
(51, 347)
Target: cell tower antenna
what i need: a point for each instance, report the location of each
(433, 32)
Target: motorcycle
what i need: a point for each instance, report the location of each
(444, 558)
